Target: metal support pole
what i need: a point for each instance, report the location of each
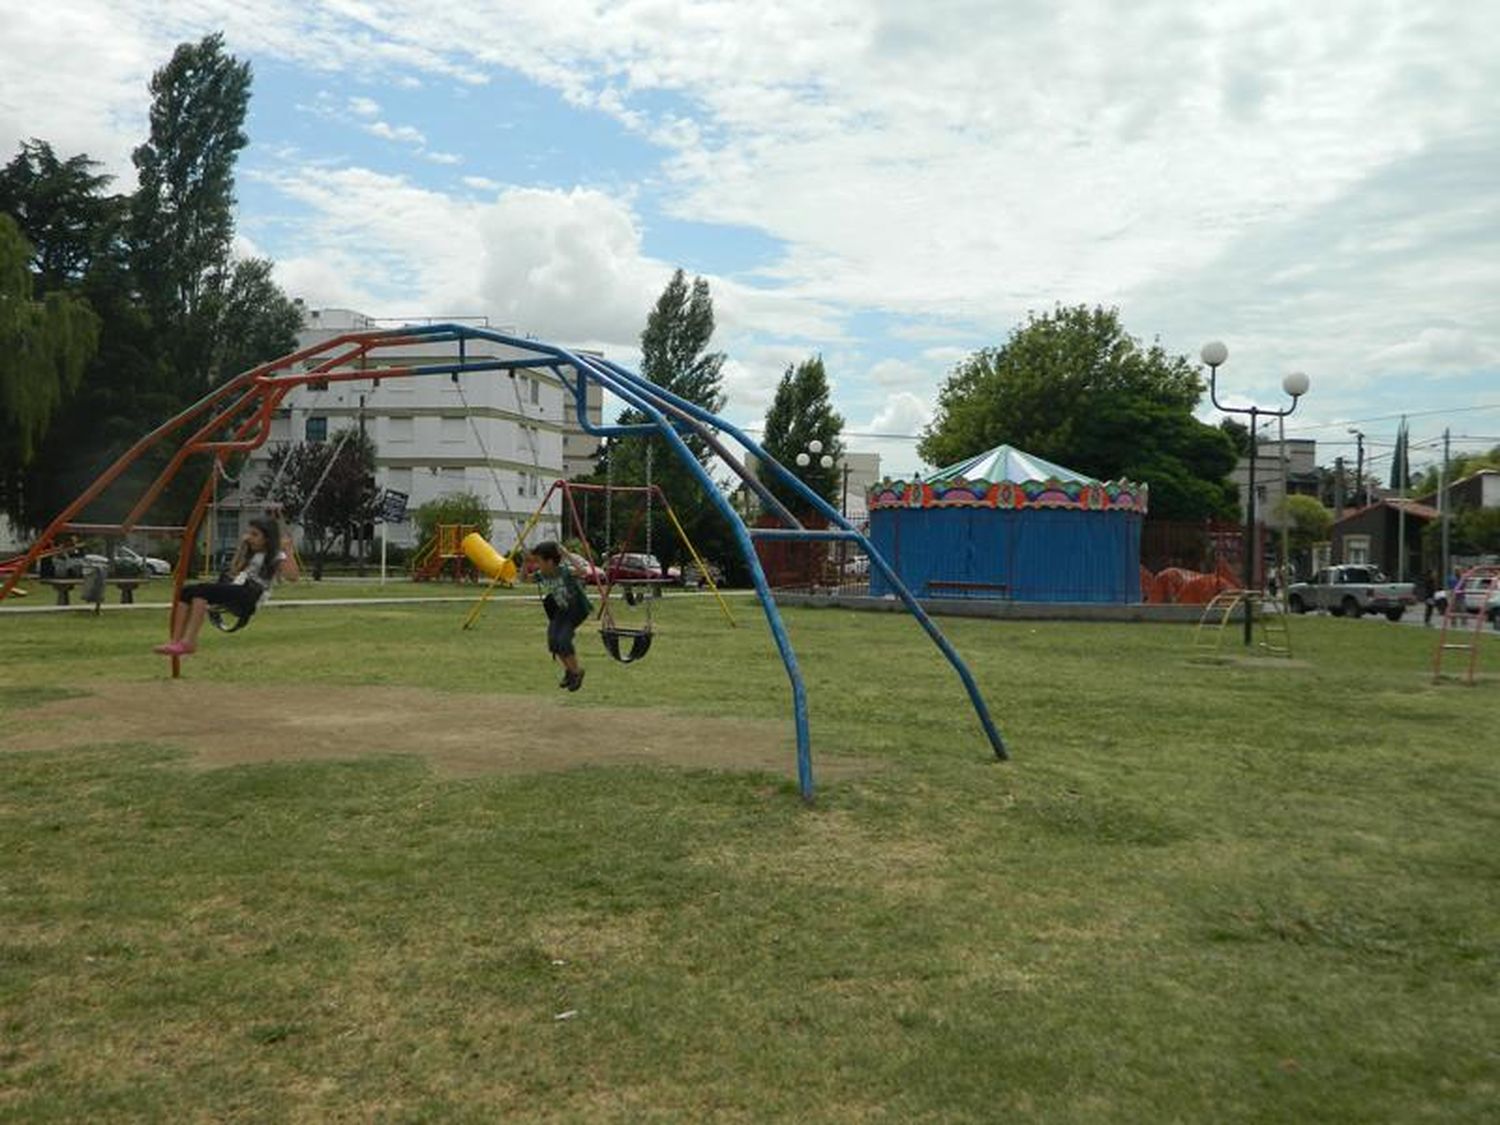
(1252, 547)
(1443, 507)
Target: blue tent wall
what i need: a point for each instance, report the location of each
(1032, 555)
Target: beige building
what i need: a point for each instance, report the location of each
(1294, 462)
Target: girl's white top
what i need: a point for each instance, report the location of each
(251, 573)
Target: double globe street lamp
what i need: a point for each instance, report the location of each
(1296, 385)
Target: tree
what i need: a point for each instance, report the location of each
(1072, 387)
(256, 322)
(1239, 435)
(44, 346)
(464, 508)
(1459, 467)
(182, 221)
(62, 211)
(1400, 470)
(800, 414)
(674, 357)
(327, 488)
(1476, 531)
(1310, 522)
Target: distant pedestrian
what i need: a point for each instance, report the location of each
(1427, 589)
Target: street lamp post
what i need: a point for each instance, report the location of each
(1214, 354)
(814, 450)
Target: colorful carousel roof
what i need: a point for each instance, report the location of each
(1007, 478)
(1006, 463)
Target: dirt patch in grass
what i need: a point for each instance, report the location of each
(460, 735)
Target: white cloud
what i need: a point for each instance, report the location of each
(443, 157)
(405, 134)
(1312, 182)
(481, 183)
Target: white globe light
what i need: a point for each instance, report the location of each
(1296, 384)
(804, 460)
(1214, 354)
(815, 447)
(826, 461)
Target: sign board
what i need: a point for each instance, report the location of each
(393, 506)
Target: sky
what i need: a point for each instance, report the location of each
(886, 184)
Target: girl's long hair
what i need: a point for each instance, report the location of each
(271, 529)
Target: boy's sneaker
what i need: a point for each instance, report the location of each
(576, 682)
(566, 681)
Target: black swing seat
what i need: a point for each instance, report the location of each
(218, 613)
(613, 637)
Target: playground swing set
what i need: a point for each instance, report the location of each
(624, 643)
(235, 418)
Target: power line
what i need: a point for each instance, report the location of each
(1397, 417)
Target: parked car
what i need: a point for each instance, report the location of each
(587, 572)
(142, 564)
(1474, 595)
(635, 567)
(1349, 591)
(700, 576)
(71, 563)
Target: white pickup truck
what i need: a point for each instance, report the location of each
(1349, 591)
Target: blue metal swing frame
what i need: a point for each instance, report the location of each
(235, 418)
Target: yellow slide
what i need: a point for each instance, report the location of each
(490, 562)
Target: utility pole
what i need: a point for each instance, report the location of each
(1338, 489)
(1444, 516)
(1359, 469)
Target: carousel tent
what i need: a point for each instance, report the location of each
(1007, 525)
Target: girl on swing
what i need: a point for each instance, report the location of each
(567, 606)
(264, 556)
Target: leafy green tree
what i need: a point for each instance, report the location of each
(453, 507)
(62, 210)
(257, 321)
(1460, 466)
(674, 356)
(800, 414)
(1476, 531)
(1073, 387)
(44, 346)
(1310, 522)
(327, 488)
(182, 221)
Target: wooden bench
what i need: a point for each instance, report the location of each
(1000, 589)
(64, 588)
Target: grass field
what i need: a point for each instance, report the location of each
(1201, 892)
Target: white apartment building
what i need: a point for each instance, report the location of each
(497, 435)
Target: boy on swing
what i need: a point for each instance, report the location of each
(567, 606)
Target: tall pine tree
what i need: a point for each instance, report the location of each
(800, 414)
(675, 356)
(182, 221)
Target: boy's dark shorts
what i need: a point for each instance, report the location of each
(560, 630)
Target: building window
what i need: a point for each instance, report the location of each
(452, 430)
(1357, 549)
(398, 429)
(317, 429)
(536, 391)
